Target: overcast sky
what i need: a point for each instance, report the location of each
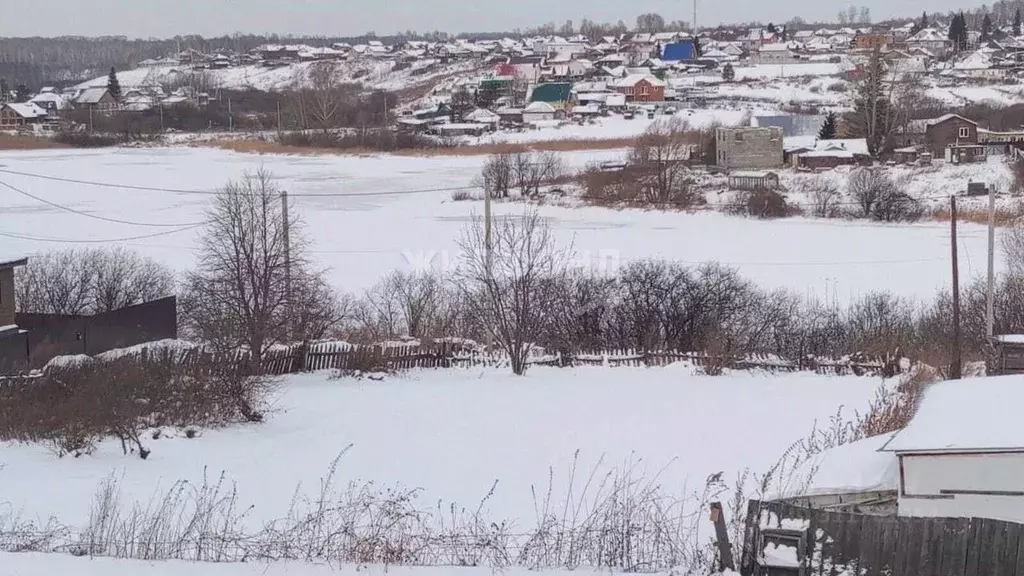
(152, 18)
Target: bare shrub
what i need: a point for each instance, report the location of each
(1013, 247)
(462, 195)
(499, 174)
(878, 197)
(1017, 169)
(90, 281)
(766, 204)
(531, 171)
(825, 199)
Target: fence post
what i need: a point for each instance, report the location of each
(725, 560)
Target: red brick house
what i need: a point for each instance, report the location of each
(641, 88)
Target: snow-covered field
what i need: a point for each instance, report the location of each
(360, 237)
(377, 74)
(454, 433)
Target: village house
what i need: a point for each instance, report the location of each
(824, 154)
(872, 41)
(540, 112)
(968, 470)
(97, 99)
(793, 124)
(14, 116)
(778, 53)
(953, 137)
(930, 40)
(641, 88)
(13, 341)
(749, 148)
(557, 94)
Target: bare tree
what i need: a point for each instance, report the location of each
(238, 296)
(506, 286)
(1013, 248)
(531, 171)
(825, 198)
(498, 173)
(659, 159)
(323, 99)
(91, 281)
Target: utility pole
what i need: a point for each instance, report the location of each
(955, 366)
(90, 118)
(231, 119)
(279, 120)
(488, 247)
(286, 223)
(990, 295)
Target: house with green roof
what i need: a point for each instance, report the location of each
(557, 94)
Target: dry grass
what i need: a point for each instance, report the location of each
(12, 142)
(566, 145)
(1004, 216)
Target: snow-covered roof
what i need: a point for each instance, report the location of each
(481, 115)
(972, 415)
(847, 469)
(774, 47)
(927, 35)
(633, 79)
(539, 108)
(945, 117)
(27, 110)
(91, 95)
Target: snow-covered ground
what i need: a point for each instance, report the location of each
(360, 237)
(51, 564)
(454, 433)
(378, 74)
(616, 126)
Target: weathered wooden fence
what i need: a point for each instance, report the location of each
(378, 358)
(831, 543)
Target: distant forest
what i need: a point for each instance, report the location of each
(61, 61)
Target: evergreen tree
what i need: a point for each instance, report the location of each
(920, 24)
(785, 34)
(986, 29)
(828, 128)
(113, 85)
(872, 116)
(697, 48)
(1016, 22)
(5, 90)
(21, 94)
(958, 32)
(771, 28)
(728, 74)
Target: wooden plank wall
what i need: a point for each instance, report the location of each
(870, 545)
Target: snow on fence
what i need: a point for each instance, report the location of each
(396, 356)
(821, 542)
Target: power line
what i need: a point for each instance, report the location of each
(95, 216)
(221, 192)
(85, 241)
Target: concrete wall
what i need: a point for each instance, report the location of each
(926, 477)
(7, 297)
(749, 148)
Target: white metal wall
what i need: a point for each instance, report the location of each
(930, 475)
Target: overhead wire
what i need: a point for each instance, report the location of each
(91, 241)
(221, 192)
(90, 215)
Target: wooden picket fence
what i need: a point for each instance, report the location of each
(829, 543)
(400, 356)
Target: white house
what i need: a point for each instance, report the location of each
(778, 53)
(483, 116)
(962, 455)
(538, 112)
(929, 39)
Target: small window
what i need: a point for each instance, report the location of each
(965, 132)
(739, 137)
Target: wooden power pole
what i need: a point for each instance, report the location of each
(990, 293)
(955, 371)
(286, 225)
